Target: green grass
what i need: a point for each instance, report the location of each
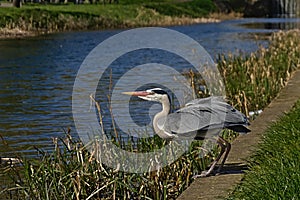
(275, 168)
(53, 18)
(65, 17)
(196, 8)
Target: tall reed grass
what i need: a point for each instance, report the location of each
(252, 81)
(72, 172)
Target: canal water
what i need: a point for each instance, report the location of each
(37, 74)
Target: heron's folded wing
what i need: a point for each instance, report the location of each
(186, 122)
(216, 105)
(204, 114)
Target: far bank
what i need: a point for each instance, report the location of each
(36, 19)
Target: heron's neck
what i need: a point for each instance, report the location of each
(159, 120)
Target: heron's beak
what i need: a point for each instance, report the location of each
(137, 93)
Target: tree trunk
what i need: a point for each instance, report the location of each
(17, 3)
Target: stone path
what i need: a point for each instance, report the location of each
(218, 187)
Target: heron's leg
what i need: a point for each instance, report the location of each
(212, 166)
(228, 148)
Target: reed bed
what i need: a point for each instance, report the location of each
(72, 172)
(252, 81)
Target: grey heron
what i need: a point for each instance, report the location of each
(198, 118)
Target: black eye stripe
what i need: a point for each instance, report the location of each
(159, 92)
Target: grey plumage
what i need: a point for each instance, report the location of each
(198, 119)
(204, 114)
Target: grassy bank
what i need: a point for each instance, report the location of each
(274, 169)
(71, 172)
(66, 17)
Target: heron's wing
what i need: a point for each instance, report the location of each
(204, 114)
(206, 101)
(217, 106)
(191, 120)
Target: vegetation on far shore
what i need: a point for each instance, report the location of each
(47, 18)
(274, 169)
(71, 172)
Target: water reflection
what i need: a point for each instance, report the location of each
(273, 24)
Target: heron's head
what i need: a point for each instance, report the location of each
(155, 94)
